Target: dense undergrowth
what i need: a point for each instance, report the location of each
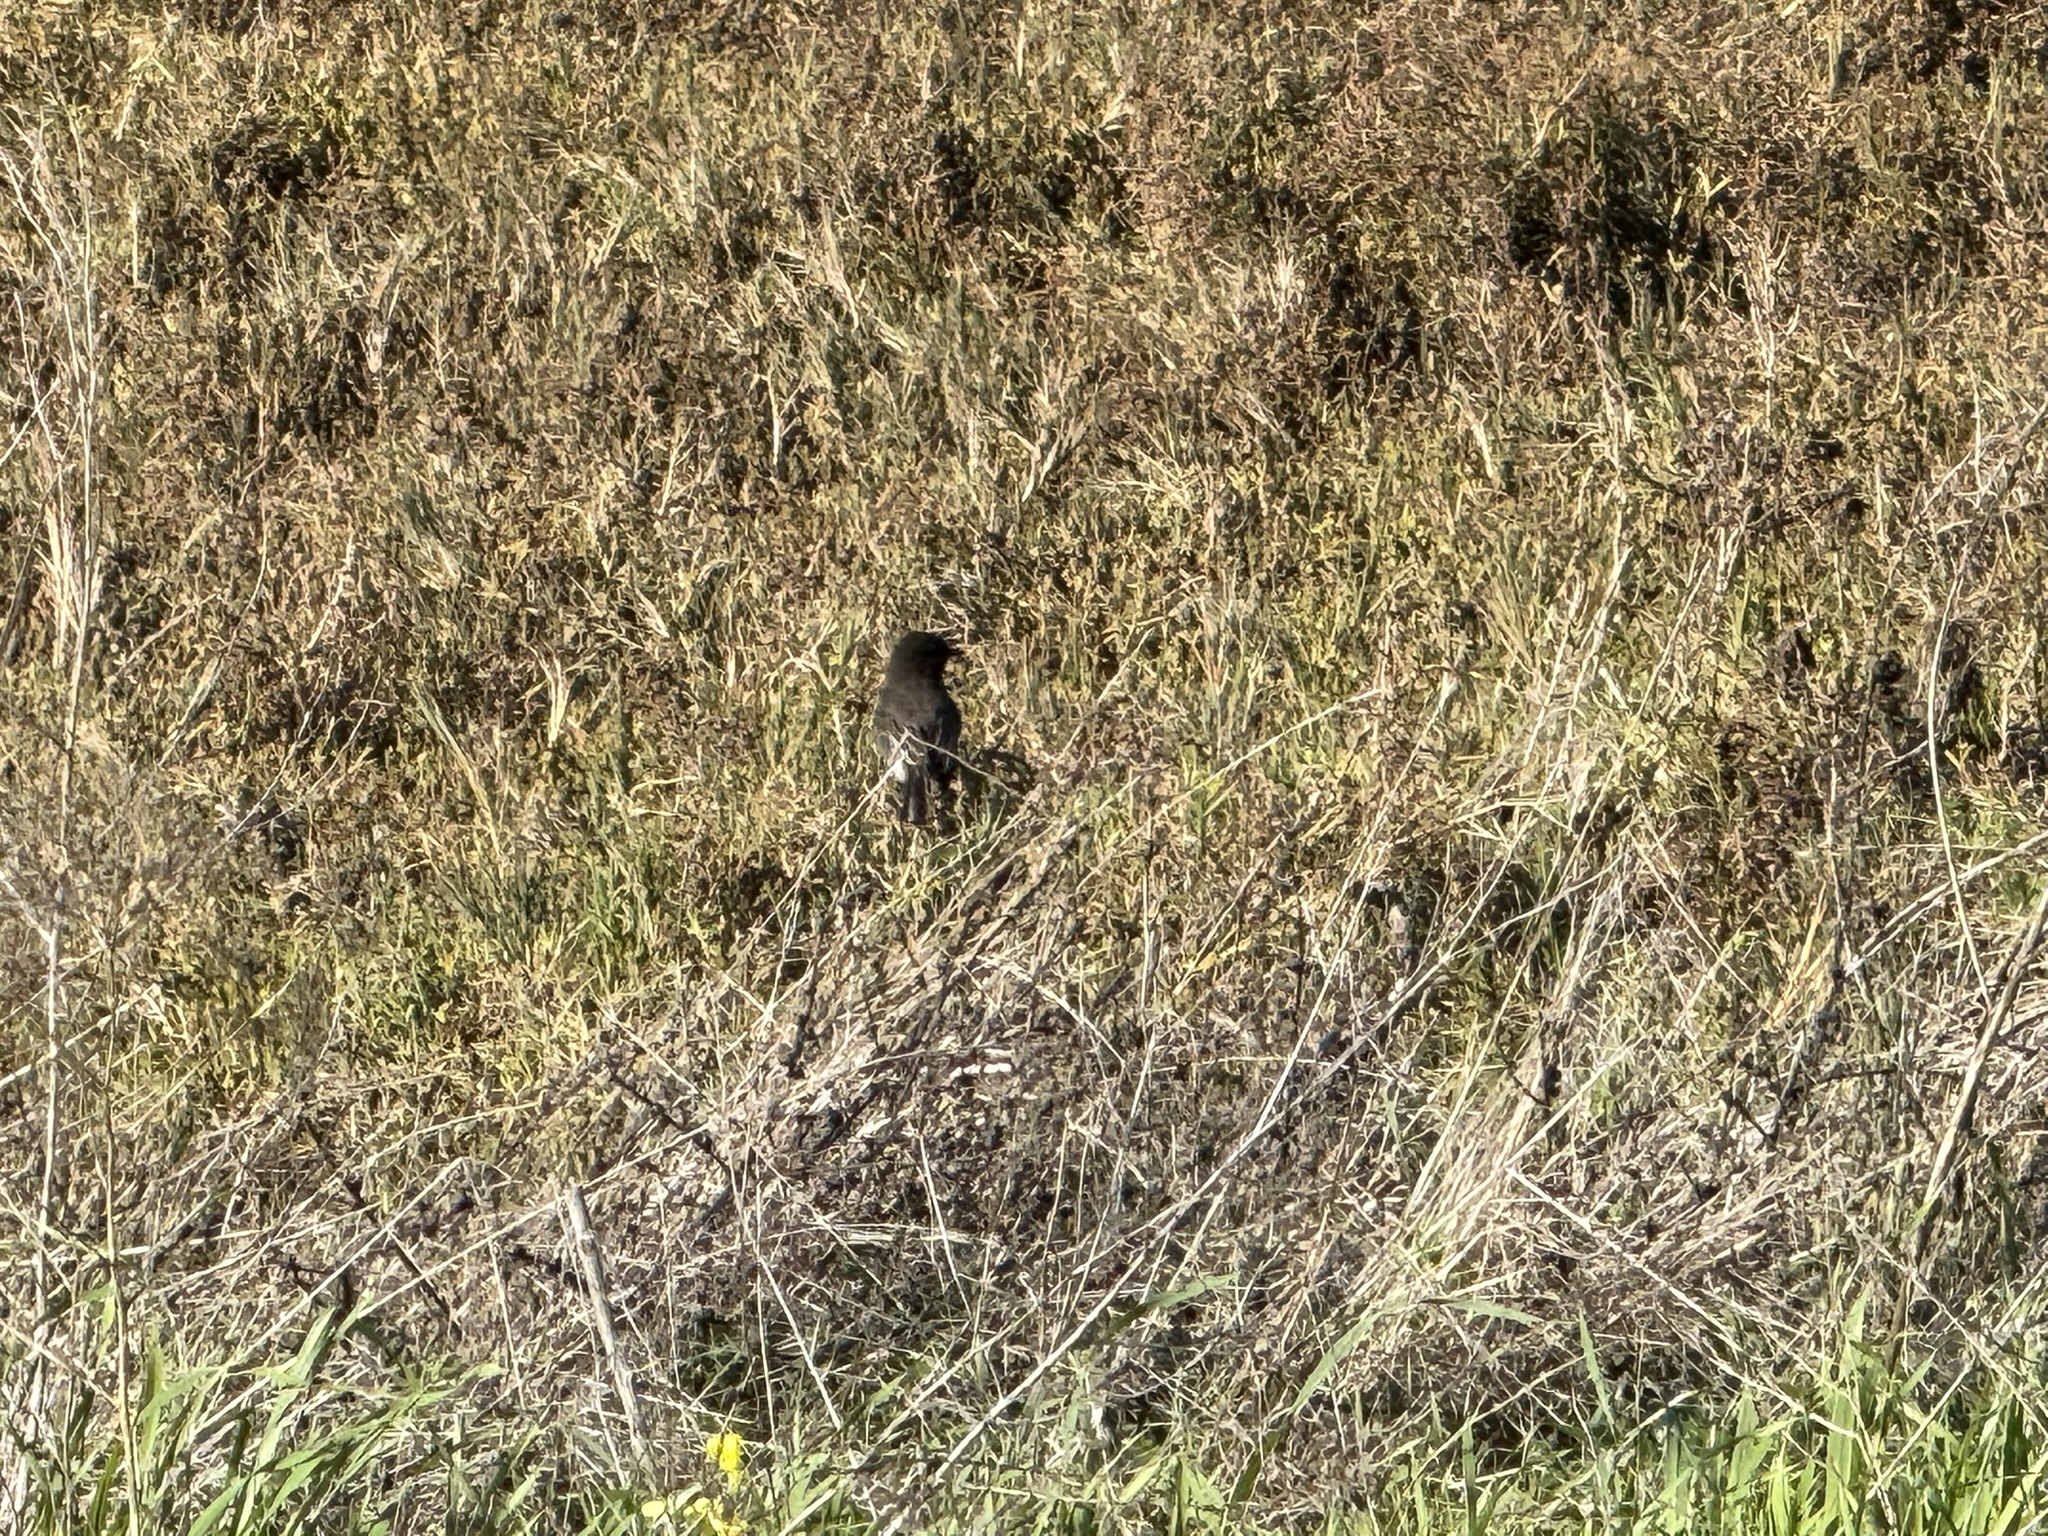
(1484, 976)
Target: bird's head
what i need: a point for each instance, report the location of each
(922, 652)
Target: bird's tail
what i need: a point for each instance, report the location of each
(915, 797)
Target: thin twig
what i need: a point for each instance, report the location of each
(590, 1260)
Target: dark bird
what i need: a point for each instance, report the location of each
(917, 724)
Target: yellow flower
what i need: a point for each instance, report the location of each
(715, 1521)
(728, 1451)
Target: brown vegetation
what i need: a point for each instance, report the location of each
(1500, 555)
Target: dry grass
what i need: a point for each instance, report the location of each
(1501, 554)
